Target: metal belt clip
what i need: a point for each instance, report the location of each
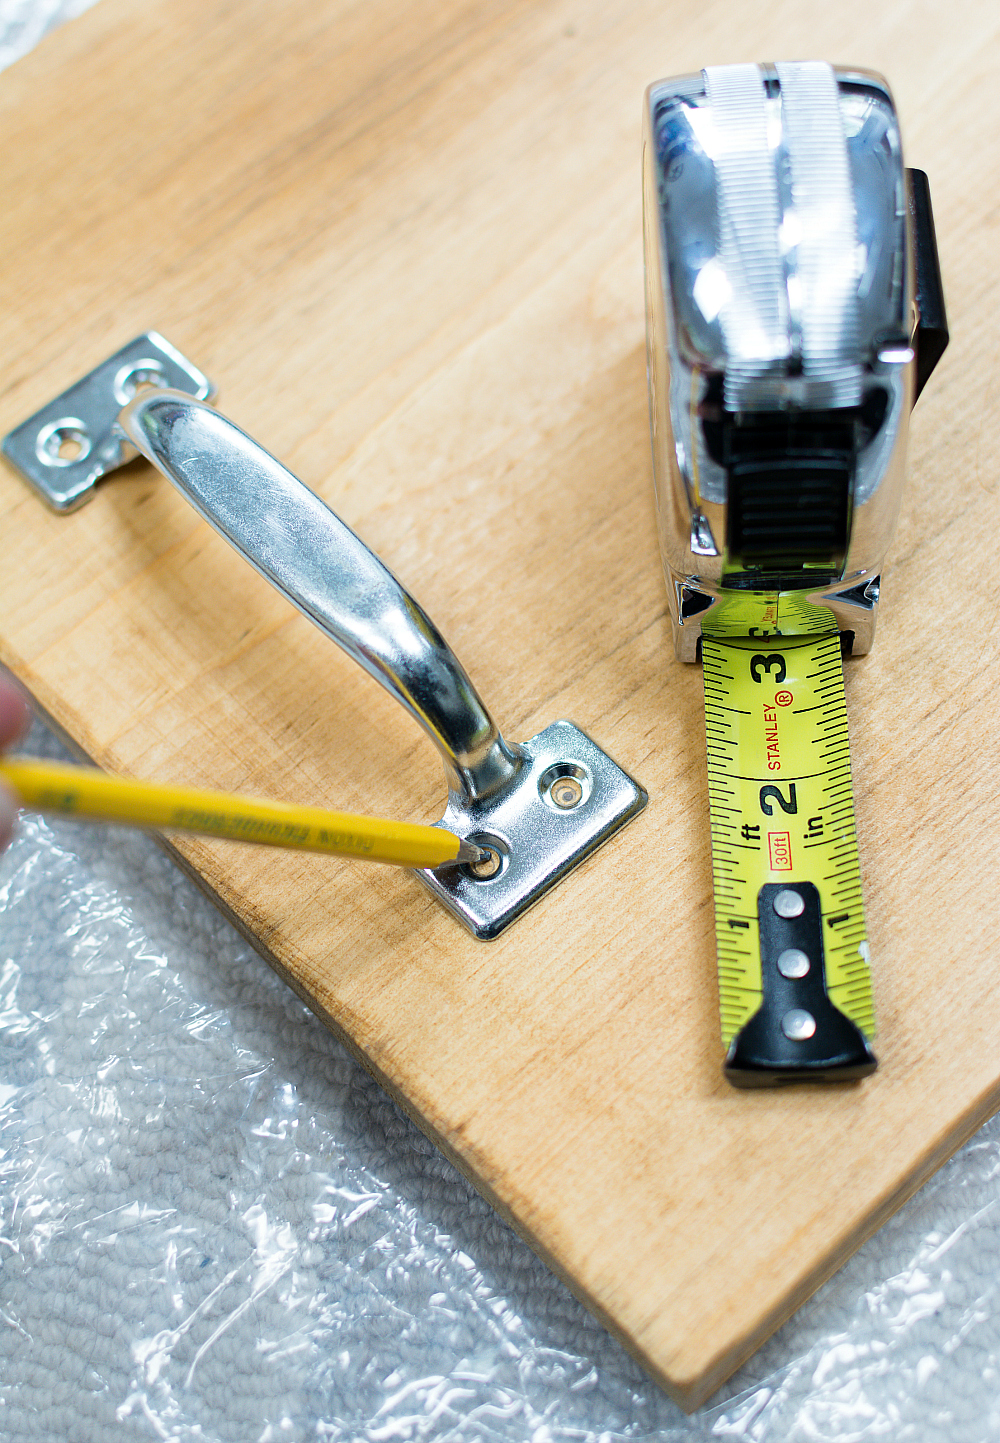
(538, 808)
(794, 312)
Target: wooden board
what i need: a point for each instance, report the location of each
(404, 240)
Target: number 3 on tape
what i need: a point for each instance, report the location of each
(794, 983)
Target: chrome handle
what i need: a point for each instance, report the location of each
(303, 549)
(537, 809)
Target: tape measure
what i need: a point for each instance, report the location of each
(794, 981)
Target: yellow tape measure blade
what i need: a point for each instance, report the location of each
(794, 982)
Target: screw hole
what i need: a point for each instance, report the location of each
(63, 443)
(566, 793)
(487, 866)
(565, 786)
(491, 865)
(139, 376)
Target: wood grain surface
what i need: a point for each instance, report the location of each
(403, 238)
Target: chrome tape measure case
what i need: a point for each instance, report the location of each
(794, 312)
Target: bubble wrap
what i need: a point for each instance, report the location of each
(215, 1226)
(24, 22)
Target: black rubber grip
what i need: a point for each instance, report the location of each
(762, 1053)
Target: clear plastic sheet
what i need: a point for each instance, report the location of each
(24, 22)
(215, 1226)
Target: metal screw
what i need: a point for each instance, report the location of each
(566, 793)
(798, 1025)
(793, 963)
(789, 904)
(488, 865)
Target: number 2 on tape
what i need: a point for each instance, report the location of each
(794, 983)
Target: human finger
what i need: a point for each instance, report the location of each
(15, 714)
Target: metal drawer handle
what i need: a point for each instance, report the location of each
(318, 563)
(539, 808)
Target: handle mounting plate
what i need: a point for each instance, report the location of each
(64, 449)
(538, 839)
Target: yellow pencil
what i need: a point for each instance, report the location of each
(96, 796)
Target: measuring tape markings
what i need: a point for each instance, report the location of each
(781, 804)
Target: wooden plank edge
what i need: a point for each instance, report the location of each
(692, 1392)
(688, 1392)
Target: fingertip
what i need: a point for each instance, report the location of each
(15, 713)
